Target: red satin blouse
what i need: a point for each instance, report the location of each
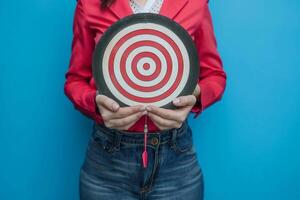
(89, 24)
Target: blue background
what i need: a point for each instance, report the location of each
(248, 144)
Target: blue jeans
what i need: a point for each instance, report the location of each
(113, 168)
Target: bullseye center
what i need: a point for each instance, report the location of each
(146, 66)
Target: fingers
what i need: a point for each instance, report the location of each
(107, 102)
(165, 118)
(165, 113)
(197, 91)
(188, 100)
(126, 111)
(126, 127)
(122, 112)
(123, 118)
(126, 121)
(163, 123)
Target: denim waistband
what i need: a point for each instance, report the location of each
(138, 137)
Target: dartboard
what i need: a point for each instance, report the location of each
(145, 58)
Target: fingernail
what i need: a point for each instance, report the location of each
(149, 108)
(142, 108)
(145, 112)
(115, 106)
(176, 101)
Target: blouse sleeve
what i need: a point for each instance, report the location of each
(212, 78)
(79, 73)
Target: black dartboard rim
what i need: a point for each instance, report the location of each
(144, 18)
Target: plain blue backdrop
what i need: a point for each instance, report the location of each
(248, 144)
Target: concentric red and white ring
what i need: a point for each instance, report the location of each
(147, 63)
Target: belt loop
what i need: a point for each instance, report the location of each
(117, 139)
(173, 138)
(183, 127)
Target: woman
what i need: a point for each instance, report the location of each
(112, 167)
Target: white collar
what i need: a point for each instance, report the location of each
(147, 6)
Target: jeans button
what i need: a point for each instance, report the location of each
(154, 141)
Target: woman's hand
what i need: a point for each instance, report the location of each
(166, 118)
(114, 116)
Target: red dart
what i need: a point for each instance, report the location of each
(145, 154)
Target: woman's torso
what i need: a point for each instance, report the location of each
(185, 12)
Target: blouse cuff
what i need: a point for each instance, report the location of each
(198, 108)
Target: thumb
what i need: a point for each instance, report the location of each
(108, 103)
(185, 100)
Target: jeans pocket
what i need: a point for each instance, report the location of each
(100, 141)
(183, 142)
